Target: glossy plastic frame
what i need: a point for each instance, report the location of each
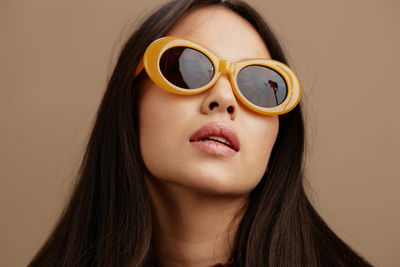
(153, 53)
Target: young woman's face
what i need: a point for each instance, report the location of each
(168, 121)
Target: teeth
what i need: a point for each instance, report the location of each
(219, 139)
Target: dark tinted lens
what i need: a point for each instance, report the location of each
(186, 67)
(262, 86)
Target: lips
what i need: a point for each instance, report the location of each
(216, 138)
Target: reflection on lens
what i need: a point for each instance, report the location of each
(262, 86)
(186, 67)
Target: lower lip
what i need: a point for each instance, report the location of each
(214, 148)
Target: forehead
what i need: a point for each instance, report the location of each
(228, 35)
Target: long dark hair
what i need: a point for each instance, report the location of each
(108, 219)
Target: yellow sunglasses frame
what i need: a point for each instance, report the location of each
(153, 53)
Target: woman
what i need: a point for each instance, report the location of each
(188, 164)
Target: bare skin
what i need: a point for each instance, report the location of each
(192, 229)
(196, 196)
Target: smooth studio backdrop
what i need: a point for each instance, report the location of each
(56, 56)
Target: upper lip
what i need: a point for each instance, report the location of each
(219, 130)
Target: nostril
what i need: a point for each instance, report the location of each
(213, 105)
(230, 109)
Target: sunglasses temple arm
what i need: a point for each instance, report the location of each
(139, 68)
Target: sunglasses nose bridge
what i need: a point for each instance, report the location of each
(225, 65)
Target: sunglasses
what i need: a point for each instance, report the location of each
(184, 67)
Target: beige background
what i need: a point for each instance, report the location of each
(55, 57)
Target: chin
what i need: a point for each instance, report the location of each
(217, 184)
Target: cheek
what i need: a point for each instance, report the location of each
(268, 133)
(260, 141)
(162, 117)
(155, 125)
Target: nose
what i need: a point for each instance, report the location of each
(220, 98)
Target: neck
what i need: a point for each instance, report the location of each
(192, 228)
